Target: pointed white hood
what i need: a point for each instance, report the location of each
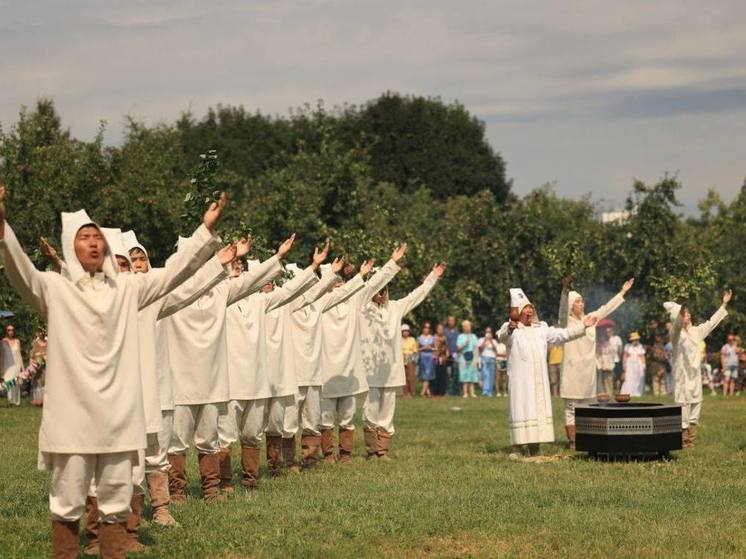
(113, 237)
(673, 309)
(518, 298)
(71, 224)
(571, 298)
(130, 242)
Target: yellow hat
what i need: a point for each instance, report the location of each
(634, 337)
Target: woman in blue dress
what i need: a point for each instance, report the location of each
(466, 345)
(426, 343)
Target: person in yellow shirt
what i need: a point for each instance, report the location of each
(409, 349)
(555, 363)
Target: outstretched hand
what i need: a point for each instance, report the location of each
(366, 267)
(243, 247)
(590, 320)
(439, 269)
(727, 295)
(214, 212)
(628, 285)
(399, 252)
(320, 255)
(286, 246)
(227, 254)
(337, 265)
(47, 249)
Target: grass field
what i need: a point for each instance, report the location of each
(452, 491)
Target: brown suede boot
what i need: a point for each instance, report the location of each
(288, 455)
(327, 446)
(346, 440)
(113, 538)
(309, 449)
(250, 466)
(274, 450)
(134, 520)
(370, 436)
(159, 499)
(226, 471)
(686, 439)
(209, 470)
(91, 527)
(570, 430)
(692, 434)
(64, 539)
(384, 443)
(177, 479)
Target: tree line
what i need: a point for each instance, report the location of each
(396, 168)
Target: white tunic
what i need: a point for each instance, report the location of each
(280, 352)
(247, 339)
(344, 373)
(305, 325)
(687, 356)
(530, 403)
(12, 360)
(93, 402)
(381, 336)
(196, 337)
(578, 372)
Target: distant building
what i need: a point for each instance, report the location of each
(617, 216)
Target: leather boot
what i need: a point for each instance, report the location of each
(570, 430)
(159, 498)
(64, 539)
(370, 436)
(309, 448)
(137, 505)
(91, 526)
(209, 471)
(288, 455)
(692, 434)
(113, 538)
(346, 439)
(250, 466)
(226, 471)
(327, 446)
(686, 440)
(274, 450)
(177, 479)
(384, 442)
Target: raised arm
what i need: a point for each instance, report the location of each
(703, 330)
(559, 336)
(615, 302)
(564, 311)
(292, 289)
(416, 296)
(20, 271)
(207, 277)
(250, 282)
(195, 253)
(328, 278)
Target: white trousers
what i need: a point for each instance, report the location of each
(570, 404)
(308, 410)
(71, 481)
(198, 423)
(156, 460)
(690, 414)
(280, 422)
(342, 409)
(379, 408)
(245, 421)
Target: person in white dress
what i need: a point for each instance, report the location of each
(530, 402)
(634, 364)
(12, 363)
(686, 340)
(578, 370)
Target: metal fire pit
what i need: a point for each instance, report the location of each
(628, 428)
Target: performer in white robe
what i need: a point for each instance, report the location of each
(578, 369)
(687, 360)
(198, 361)
(344, 374)
(93, 422)
(305, 333)
(381, 344)
(526, 338)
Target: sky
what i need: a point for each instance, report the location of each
(588, 96)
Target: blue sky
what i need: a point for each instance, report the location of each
(586, 95)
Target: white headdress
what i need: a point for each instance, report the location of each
(72, 222)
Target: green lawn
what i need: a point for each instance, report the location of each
(452, 491)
